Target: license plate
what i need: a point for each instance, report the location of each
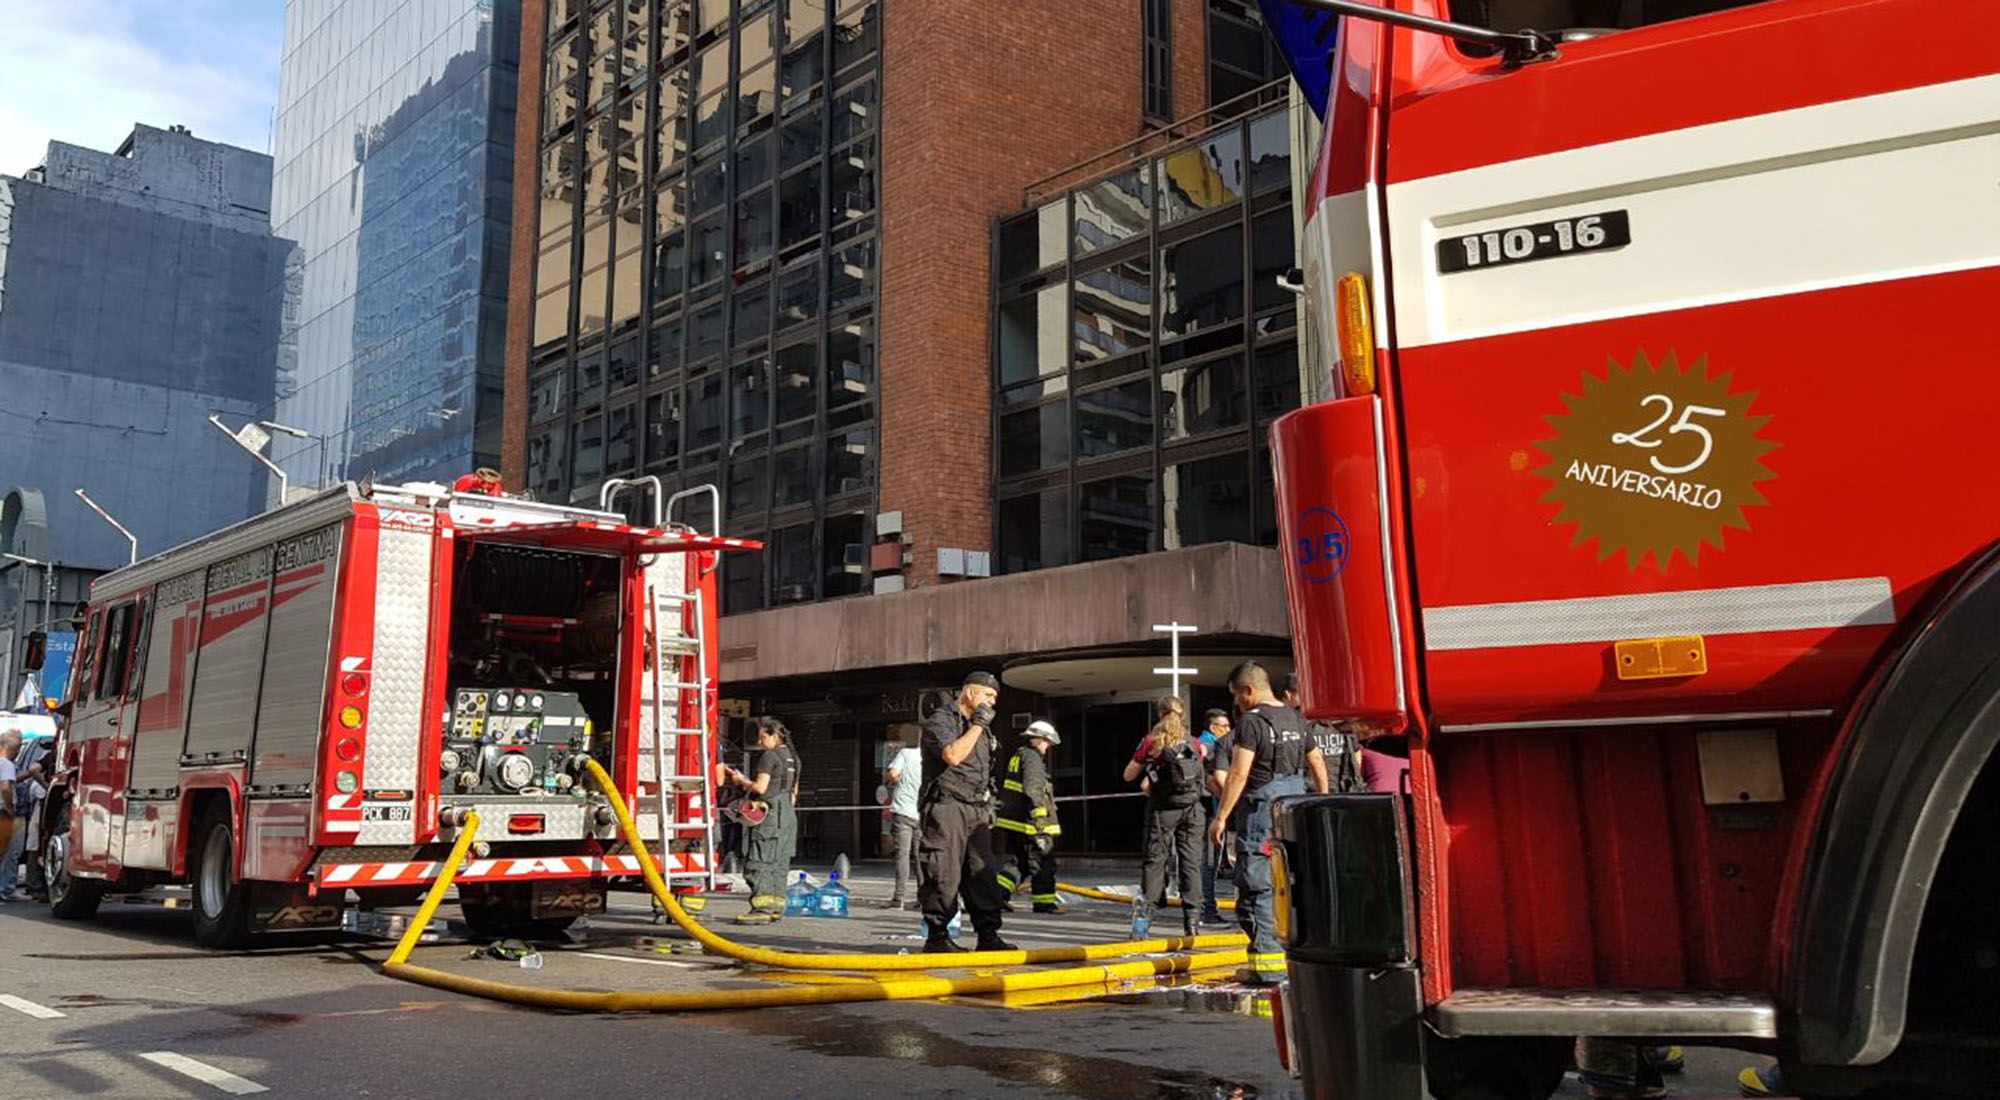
(1522, 244)
(385, 813)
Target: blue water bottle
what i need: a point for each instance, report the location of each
(799, 898)
(830, 900)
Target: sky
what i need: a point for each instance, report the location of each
(83, 71)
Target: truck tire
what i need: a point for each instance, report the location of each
(70, 897)
(503, 912)
(221, 901)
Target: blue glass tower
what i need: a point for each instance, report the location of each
(394, 147)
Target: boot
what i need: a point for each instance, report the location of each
(995, 943)
(942, 945)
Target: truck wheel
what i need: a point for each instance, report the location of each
(502, 912)
(70, 898)
(221, 901)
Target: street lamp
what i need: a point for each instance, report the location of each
(48, 581)
(106, 517)
(253, 436)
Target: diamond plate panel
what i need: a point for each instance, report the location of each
(402, 636)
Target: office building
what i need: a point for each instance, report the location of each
(136, 299)
(775, 251)
(394, 147)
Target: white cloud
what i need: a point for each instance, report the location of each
(84, 71)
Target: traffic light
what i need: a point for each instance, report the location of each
(37, 651)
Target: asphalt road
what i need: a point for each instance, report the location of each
(145, 1014)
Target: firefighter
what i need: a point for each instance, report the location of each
(1027, 840)
(775, 839)
(1271, 756)
(955, 807)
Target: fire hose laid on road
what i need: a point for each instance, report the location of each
(888, 989)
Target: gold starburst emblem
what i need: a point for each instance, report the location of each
(1655, 459)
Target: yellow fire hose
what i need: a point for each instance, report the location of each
(920, 988)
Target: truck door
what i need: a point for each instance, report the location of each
(1629, 287)
(99, 731)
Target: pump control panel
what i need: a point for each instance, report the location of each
(514, 741)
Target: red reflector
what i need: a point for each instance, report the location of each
(1278, 1027)
(354, 684)
(525, 823)
(347, 749)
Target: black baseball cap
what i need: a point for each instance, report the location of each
(982, 679)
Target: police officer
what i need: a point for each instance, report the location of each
(775, 839)
(1271, 756)
(955, 807)
(1340, 749)
(1027, 821)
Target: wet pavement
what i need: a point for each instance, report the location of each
(126, 1006)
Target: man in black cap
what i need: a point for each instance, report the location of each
(955, 806)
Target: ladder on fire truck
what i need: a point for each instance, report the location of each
(675, 703)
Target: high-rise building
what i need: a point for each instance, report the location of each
(394, 147)
(136, 299)
(780, 249)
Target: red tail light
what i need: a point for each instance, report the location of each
(354, 685)
(347, 749)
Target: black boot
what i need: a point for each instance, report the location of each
(993, 942)
(944, 945)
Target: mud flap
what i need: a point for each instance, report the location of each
(285, 907)
(559, 899)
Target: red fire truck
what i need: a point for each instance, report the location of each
(302, 707)
(1656, 338)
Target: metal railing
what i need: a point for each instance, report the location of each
(1139, 149)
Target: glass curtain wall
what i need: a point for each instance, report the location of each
(393, 153)
(1141, 348)
(705, 302)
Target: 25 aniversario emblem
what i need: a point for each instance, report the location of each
(1656, 459)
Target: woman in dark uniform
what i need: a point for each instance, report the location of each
(774, 840)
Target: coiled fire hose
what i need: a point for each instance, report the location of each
(399, 966)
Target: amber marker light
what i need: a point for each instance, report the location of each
(1354, 328)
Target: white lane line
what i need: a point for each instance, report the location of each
(203, 1072)
(633, 959)
(29, 1008)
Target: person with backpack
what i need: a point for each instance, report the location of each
(1272, 755)
(1027, 822)
(1340, 749)
(1174, 768)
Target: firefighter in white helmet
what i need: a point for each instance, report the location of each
(1027, 820)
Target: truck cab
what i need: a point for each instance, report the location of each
(1607, 508)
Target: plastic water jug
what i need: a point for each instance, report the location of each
(830, 900)
(799, 897)
(1142, 918)
(924, 927)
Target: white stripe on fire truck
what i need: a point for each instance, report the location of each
(1715, 214)
(1754, 609)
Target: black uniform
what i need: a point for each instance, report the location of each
(1342, 751)
(1028, 827)
(1177, 827)
(955, 810)
(773, 841)
(1277, 735)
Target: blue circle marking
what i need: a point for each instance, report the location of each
(1320, 548)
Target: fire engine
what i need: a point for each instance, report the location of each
(302, 708)
(1649, 504)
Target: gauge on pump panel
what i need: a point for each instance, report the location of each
(449, 760)
(500, 701)
(516, 771)
(537, 704)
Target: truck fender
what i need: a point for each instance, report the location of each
(193, 790)
(1907, 760)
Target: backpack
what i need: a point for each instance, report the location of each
(1177, 778)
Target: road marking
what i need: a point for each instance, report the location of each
(633, 959)
(29, 1008)
(203, 1072)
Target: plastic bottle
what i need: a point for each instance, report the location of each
(799, 898)
(924, 927)
(830, 900)
(1142, 918)
(840, 865)
(531, 961)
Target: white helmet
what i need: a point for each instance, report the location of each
(1043, 730)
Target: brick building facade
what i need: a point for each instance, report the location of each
(950, 115)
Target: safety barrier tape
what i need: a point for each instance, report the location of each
(1059, 798)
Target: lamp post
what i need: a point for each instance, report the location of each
(253, 436)
(106, 517)
(48, 581)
